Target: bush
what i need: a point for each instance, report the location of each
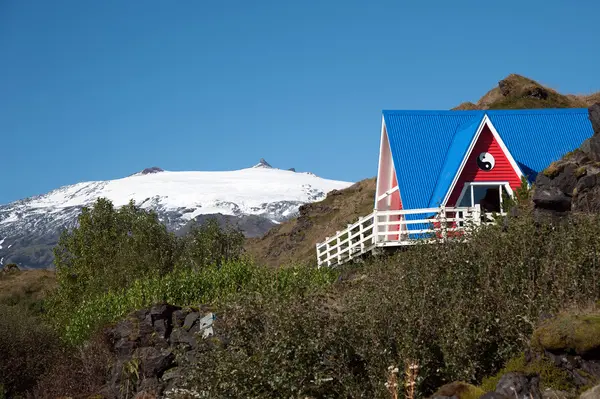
(269, 348)
(209, 244)
(460, 310)
(77, 373)
(188, 287)
(27, 349)
(111, 250)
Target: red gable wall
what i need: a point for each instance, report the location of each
(502, 171)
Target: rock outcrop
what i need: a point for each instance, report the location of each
(572, 183)
(148, 345)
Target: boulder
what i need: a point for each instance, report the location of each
(458, 390)
(569, 334)
(519, 386)
(190, 320)
(147, 340)
(154, 362)
(571, 183)
(180, 336)
(494, 395)
(551, 198)
(594, 116)
(592, 393)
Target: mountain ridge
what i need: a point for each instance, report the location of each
(254, 199)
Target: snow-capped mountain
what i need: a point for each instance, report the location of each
(260, 196)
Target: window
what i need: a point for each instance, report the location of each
(488, 195)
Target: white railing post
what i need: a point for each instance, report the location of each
(477, 215)
(443, 222)
(375, 228)
(318, 255)
(361, 230)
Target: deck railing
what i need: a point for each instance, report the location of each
(398, 228)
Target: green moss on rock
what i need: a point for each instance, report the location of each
(580, 172)
(568, 333)
(551, 377)
(516, 364)
(461, 390)
(552, 170)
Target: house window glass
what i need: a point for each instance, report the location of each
(466, 200)
(488, 196)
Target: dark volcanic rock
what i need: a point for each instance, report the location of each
(594, 115)
(572, 183)
(145, 344)
(494, 395)
(154, 362)
(519, 386)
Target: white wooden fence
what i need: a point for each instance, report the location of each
(391, 228)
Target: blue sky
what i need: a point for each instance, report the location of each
(95, 90)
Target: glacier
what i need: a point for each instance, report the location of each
(30, 227)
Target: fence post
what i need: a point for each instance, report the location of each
(361, 230)
(318, 255)
(477, 215)
(375, 228)
(444, 223)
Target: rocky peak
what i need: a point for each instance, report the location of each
(147, 171)
(263, 164)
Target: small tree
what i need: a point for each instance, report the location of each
(109, 249)
(521, 199)
(209, 244)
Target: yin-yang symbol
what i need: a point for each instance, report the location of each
(486, 161)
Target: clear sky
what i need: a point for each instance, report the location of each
(96, 90)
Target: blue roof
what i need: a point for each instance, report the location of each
(428, 146)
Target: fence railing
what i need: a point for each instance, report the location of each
(398, 228)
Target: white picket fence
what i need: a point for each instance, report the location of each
(390, 229)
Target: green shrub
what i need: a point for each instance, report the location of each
(188, 287)
(109, 249)
(461, 310)
(209, 244)
(268, 348)
(27, 349)
(112, 251)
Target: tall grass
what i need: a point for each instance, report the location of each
(192, 287)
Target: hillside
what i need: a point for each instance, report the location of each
(26, 287)
(519, 92)
(294, 241)
(254, 199)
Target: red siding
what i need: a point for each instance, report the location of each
(502, 171)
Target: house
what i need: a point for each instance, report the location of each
(453, 166)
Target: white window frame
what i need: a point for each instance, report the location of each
(469, 186)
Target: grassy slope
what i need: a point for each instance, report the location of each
(519, 92)
(294, 241)
(26, 287)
